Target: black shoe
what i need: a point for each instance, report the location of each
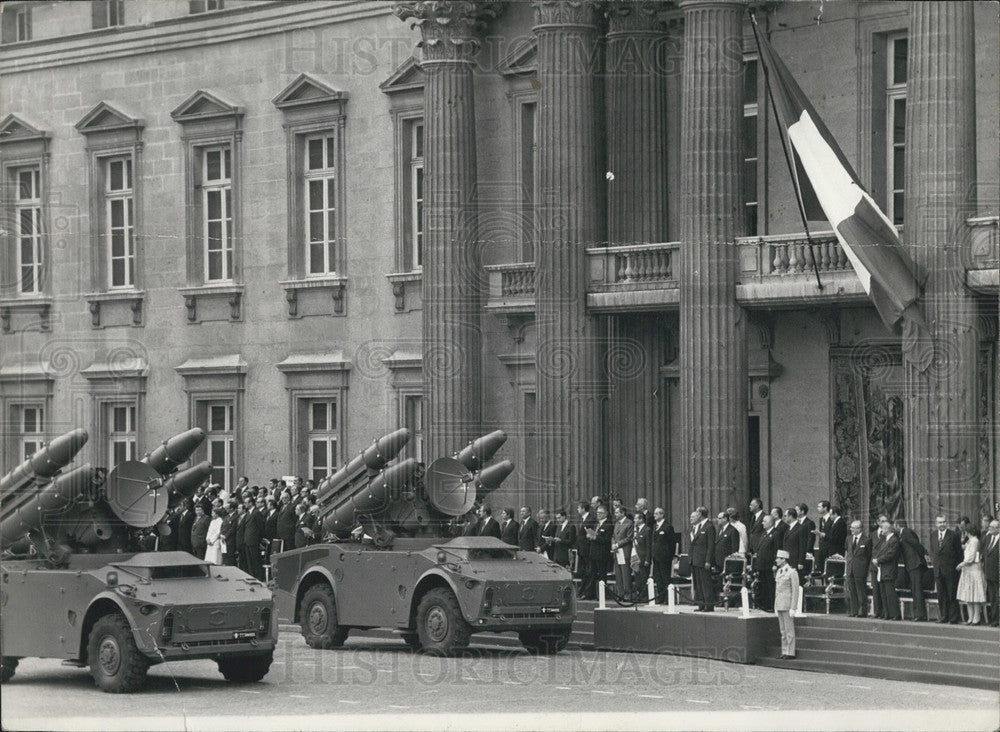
(782, 656)
(791, 656)
(943, 622)
(954, 622)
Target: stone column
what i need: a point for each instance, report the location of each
(713, 348)
(942, 427)
(636, 69)
(452, 277)
(636, 74)
(571, 384)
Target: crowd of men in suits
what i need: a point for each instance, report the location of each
(252, 519)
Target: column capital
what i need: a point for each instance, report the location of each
(567, 12)
(448, 28)
(687, 5)
(631, 16)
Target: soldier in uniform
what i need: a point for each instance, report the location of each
(786, 598)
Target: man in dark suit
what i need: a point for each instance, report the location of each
(822, 536)
(837, 532)
(488, 525)
(857, 560)
(946, 553)
(588, 519)
(809, 527)
(913, 556)
(623, 538)
(795, 542)
(990, 549)
(764, 561)
(885, 555)
(642, 506)
(643, 544)
(702, 552)
(199, 532)
(285, 523)
(563, 540)
(252, 535)
(229, 523)
(546, 530)
(303, 526)
(662, 552)
(727, 541)
(756, 521)
(241, 530)
(780, 527)
(598, 548)
(471, 525)
(168, 541)
(527, 534)
(184, 524)
(508, 526)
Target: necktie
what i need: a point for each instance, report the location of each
(855, 543)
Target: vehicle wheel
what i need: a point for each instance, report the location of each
(440, 626)
(8, 664)
(115, 661)
(319, 619)
(545, 641)
(411, 639)
(246, 669)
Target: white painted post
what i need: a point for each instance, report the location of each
(671, 599)
(651, 591)
(600, 595)
(745, 601)
(800, 611)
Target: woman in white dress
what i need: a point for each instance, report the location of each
(216, 542)
(972, 583)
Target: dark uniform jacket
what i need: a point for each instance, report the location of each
(254, 531)
(836, 536)
(809, 525)
(727, 541)
(913, 551)
(885, 554)
(241, 531)
(947, 554)
(767, 550)
(858, 561)
(662, 543)
(643, 541)
(489, 526)
(508, 532)
(271, 525)
(565, 540)
(795, 544)
(600, 545)
(527, 535)
(229, 524)
(199, 534)
(702, 544)
(184, 525)
(286, 524)
(756, 529)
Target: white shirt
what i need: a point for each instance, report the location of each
(744, 540)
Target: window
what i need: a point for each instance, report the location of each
(217, 208)
(32, 428)
(28, 217)
(750, 148)
(413, 420)
(895, 125)
(415, 193)
(119, 221)
(220, 440)
(16, 23)
(122, 433)
(107, 13)
(526, 151)
(204, 6)
(321, 204)
(323, 438)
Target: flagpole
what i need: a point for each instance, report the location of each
(784, 147)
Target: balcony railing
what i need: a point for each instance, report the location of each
(789, 254)
(511, 287)
(985, 245)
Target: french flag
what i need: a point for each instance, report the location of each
(887, 273)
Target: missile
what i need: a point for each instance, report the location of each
(372, 497)
(478, 452)
(489, 479)
(184, 482)
(76, 486)
(165, 459)
(372, 459)
(46, 462)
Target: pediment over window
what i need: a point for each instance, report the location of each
(106, 118)
(203, 105)
(307, 91)
(408, 76)
(521, 60)
(17, 129)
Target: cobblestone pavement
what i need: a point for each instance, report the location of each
(579, 689)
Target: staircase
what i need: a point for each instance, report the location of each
(582, 637)
(957, 655)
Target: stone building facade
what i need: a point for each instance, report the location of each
(300, 225)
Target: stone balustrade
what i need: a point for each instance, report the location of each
(985, 245)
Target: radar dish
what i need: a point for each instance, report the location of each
(134, 492)
(451, 488)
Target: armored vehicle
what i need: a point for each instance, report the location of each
(388, 560)
(73, 585)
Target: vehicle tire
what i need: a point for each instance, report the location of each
(440, 626)
(546, 641)
(245, 669)
(8, 664)
(411, 639)
(115, 661)
(319, 619)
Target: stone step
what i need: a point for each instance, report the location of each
(889, 650)
(903, 639)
